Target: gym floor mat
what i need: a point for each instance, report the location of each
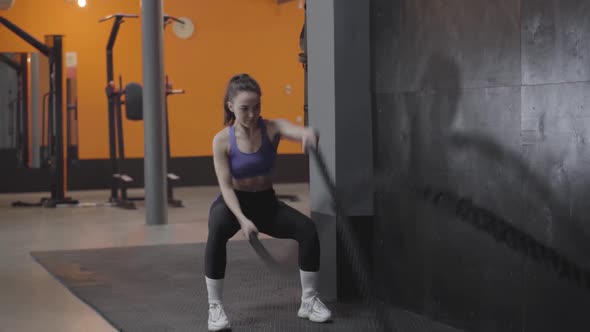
(162, 288)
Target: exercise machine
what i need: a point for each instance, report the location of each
(56, 154)
(119, 179)
(171, 177)
(131, 97)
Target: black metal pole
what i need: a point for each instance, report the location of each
(58, 111)
(11, 63)
(26, 37)
(168, 181)
(170, 191)
(114, 106)
(169, 91)
(50, 130)
(110, 45)
(121, 143)
(303, 60)
(24, 75)
(113, 97)
(112, 140)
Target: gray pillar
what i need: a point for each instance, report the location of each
(339, 100)
(152, 22)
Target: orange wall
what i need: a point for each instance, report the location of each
(255, 36)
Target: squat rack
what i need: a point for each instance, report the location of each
(53, 50)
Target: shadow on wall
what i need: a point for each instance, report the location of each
(436, 170)
(430, 115)
(425, 120)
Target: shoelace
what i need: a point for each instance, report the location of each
(216, 311)
(315, 299)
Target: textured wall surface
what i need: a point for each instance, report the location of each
(487, 100)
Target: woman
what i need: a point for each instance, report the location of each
(244, 154)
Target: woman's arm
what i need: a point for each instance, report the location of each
(222, 171)
(305, 135)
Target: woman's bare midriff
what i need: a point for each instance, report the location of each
(254, 184)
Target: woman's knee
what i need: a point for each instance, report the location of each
(309, 246)
(222, 223)
(307, 232)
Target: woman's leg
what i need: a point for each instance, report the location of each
(222, 226)
(288, 223)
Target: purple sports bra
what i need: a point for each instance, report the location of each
(247, 165)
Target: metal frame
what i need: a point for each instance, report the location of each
(116, 141)
(53, 50)
(115, 118)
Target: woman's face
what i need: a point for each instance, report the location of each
(246, 108)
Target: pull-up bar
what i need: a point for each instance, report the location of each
(26, 37)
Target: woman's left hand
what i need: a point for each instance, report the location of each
(310, 139)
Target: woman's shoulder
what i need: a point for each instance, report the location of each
(276, 121)
(271, 123)
(221, 136)
(271, 126)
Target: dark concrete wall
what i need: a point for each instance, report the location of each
(487, 100)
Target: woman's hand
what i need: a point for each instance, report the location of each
(309, 139)
(248, 228)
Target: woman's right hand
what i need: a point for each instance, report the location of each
(248, 228)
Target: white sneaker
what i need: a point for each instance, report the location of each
(217, 318)
(314, 310)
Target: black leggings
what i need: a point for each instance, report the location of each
(271, 217)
